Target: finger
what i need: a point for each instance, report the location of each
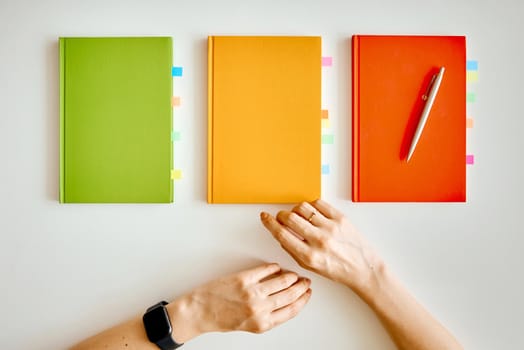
(297, 223)
(290, 294)
(258, 273)
(278, 283)
(287, 240)
(326, 209)
(299, 259)
(310, 214)
(288, 312)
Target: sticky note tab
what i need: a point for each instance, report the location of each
(176, 174)
(469, 123)
(324, 114)
(326, 123)
(327, 61)
(328, 139)
(470, 159)
(325, 169)
(472, 76)
(470, 97)
(176, 71)
(472, 65)
(175, 136)
(175, 101)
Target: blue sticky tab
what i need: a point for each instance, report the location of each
(176, 71)
(325, 169)
(472, 65)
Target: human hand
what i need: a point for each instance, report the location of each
(254, 300)
(322, 240)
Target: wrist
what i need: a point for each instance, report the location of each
(377, 288)
(184, 319)
(374, 278)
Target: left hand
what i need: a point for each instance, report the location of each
(322, 240)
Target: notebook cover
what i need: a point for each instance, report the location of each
(115, 120)
(264, 119)
(390, 75)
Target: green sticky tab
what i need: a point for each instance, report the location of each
(328, 139)
(470, 97)
(175, 136)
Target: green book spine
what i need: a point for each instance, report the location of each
(62, 116)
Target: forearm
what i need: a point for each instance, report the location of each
(253, 300)
(132, 335)
(129, 335)
(409, 324)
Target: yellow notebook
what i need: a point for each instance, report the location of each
(263, 119)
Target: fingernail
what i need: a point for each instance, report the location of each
(264, 215)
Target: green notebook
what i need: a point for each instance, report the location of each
(116, 120)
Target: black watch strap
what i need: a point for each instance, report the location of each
(168, 343)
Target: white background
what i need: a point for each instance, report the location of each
(68, 271)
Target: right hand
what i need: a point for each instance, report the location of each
(321, 239)
(254, 300)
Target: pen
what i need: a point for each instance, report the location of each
(433, 87)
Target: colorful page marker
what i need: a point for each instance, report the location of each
(470, 97)
(176, 174)
(472, 76)
(469, 123)
(325, 169)
(326, 123)
(327, 61)
(328, 139)
(324, 114)
(176, 71)
(472, 65)
(175, 101)
(175, 136)
(470, 159)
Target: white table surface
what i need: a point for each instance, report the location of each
(68, 271)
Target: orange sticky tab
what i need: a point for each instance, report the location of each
(469, 123)
(324, 114)
(175, 101)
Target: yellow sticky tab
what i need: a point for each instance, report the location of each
(326, 123)
(176, 174)
(472, 76)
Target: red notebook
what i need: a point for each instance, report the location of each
(390, 76)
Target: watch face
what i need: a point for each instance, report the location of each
(157, 324)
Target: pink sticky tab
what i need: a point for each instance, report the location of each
(470, 159)
(327, 61)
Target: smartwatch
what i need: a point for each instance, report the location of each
(158, 327)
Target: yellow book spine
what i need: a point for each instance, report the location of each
(210, 120)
